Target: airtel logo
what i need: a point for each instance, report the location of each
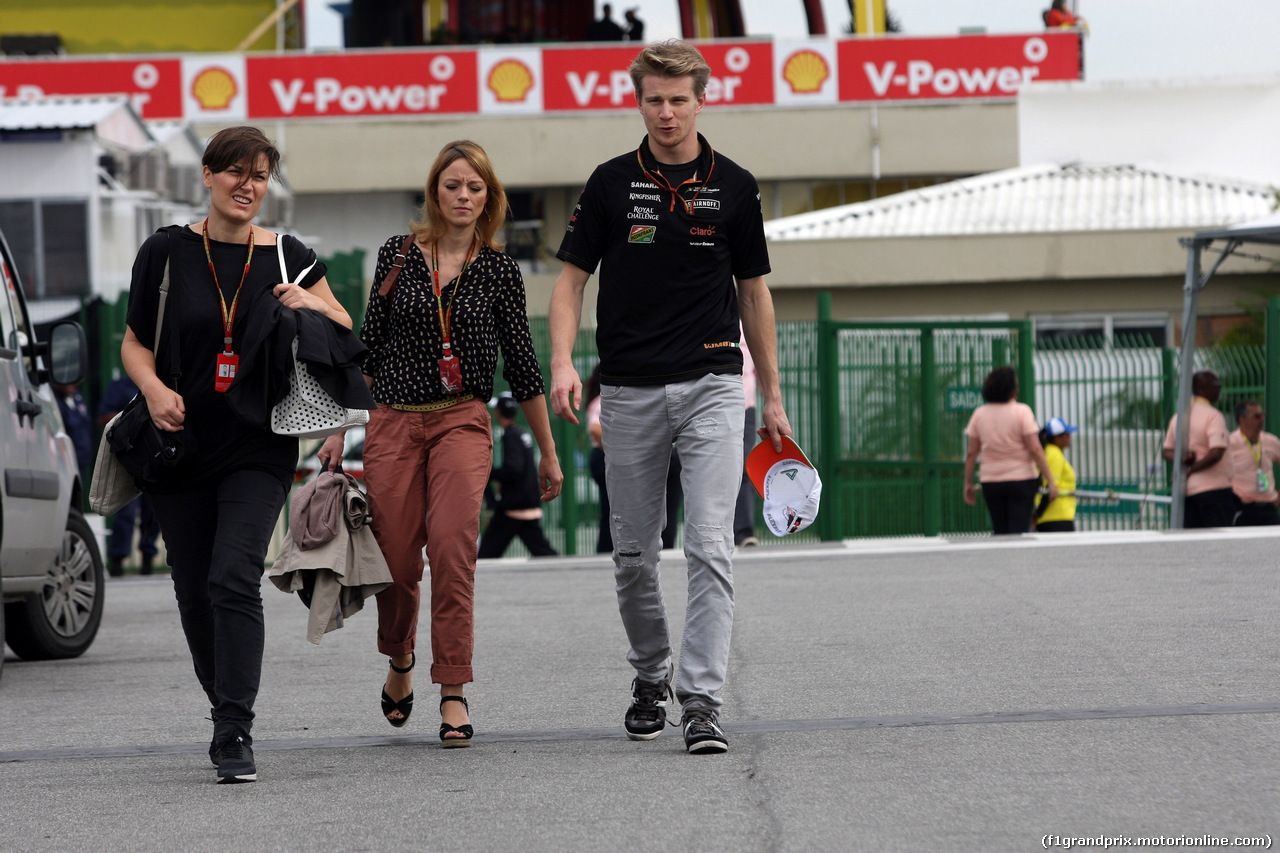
(703, 232)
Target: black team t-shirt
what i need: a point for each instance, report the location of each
(668, 306)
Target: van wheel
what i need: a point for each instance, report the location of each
(62, 619)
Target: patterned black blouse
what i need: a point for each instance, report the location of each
(403, 332)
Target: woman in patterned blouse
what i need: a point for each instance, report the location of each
(433, 330)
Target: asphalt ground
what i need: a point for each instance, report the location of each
(893, 695)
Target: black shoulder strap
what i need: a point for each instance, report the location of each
(175, 359)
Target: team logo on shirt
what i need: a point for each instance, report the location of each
(641, 234)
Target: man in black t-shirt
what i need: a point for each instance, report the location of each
(671, 225)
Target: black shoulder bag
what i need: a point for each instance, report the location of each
(147, 452)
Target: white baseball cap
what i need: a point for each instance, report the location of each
(789, 484)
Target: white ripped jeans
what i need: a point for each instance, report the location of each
(703, 419)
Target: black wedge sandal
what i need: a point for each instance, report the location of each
(466, 730)
(405, 705)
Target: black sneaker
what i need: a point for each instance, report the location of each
(235, 762)
(647, 715)
(702, 732)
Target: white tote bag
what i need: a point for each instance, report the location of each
(308, 411)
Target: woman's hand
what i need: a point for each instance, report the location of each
(166, 407)
(330, 453)
(293, 295)
(970, 494)
(550, 476)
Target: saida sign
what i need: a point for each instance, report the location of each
(963, 399)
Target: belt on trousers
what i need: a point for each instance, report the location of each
(431, 407)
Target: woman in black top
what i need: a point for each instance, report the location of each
(446, 302)
(218, 508)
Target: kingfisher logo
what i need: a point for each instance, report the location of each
(641, 234)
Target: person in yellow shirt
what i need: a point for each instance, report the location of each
(1058, 515)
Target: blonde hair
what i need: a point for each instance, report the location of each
(430, 223)
(671, 58)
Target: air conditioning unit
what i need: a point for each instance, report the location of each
(186, 184)
(148, 172)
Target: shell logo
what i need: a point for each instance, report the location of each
(805, 71)
(214, 88)
(510, 80)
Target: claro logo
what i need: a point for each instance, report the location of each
(920, 77)
(703, 232)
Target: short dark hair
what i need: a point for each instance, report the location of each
(234, 146)
(672, 58)
(1000, 385)
(1242, 408)
(1203, 380)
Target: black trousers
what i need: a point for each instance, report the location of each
(1010, 503)
(604, 542)
(1257, 514)
(744, 513)
(1210, 509)
(1056, 527)
(217, 539)
(503, 528)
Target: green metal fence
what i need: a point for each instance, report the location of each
(894, 401)
(1121, 397)
(1122, 394)
(881, 407)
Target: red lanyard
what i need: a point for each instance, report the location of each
(228, 315)
(446, 317)
(658, 179)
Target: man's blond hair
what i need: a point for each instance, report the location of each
(672, 58)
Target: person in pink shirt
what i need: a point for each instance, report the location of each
(1210, 501)
(1005, 434)
(1254, 454)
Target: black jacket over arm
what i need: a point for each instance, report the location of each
(332, 352)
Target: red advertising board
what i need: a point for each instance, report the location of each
(154, 84)
(596, 78)
(587, 78)
(741, 73)
(362, 84)
(893, 69)
(553, 79)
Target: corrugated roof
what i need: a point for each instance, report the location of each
(58, 113)
(1038, 199)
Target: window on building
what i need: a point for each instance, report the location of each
(50, 245)
(788, 198)
(1095, 331)
(65, 229)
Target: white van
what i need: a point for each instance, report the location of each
(51, 573)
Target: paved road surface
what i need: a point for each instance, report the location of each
(910, 695)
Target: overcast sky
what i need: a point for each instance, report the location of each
(1129, 39)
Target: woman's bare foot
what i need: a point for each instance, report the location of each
(453, 713)
(399, 684)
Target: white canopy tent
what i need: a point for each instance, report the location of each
(1259, 231)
